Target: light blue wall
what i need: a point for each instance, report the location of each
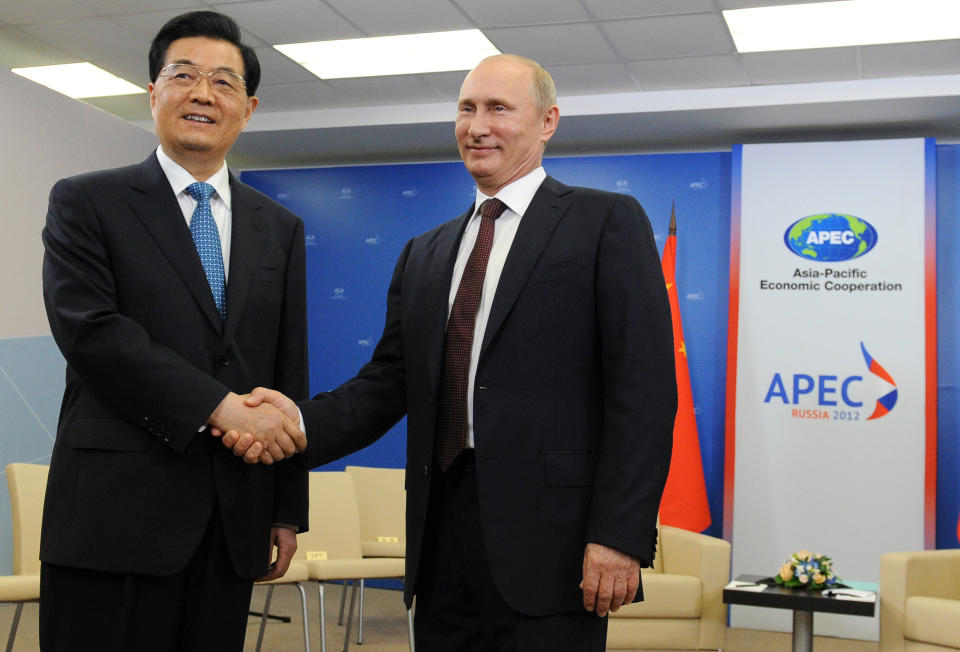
(31, 386)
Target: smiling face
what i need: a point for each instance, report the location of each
(197, 126)
(500, 131)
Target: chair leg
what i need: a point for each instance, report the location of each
(346, 634)
(266, 613)
(410, 628)
(13, 626)
(360, 616)
(343, 601)
(323, 619)
(306, 622)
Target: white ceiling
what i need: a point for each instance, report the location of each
(633, 75)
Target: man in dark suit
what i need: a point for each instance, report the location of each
(531, 348)
(169, 287)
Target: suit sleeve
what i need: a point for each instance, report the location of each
(639, 384)
(290, 495)
(133, 376)
(364, 408)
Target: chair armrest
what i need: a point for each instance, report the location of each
(931, 573)
(708, 559)
(697, 555)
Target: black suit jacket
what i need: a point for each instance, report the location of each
(132, 482)
(574, 400)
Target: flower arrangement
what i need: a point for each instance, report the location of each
(807, 570)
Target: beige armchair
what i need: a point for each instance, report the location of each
(920, 601)
(27, 483)
(683, 597)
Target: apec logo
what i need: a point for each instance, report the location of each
(841, 394)
(830, 237)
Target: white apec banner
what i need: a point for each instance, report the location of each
(830, 364)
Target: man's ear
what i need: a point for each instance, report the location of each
(252, 103)
(549, 123)
(153, 99)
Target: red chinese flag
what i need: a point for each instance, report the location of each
(684, 503)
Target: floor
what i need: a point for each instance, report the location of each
(385, 626)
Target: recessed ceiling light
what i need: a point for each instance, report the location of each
(79, 80)
(842, 23)
(406, 54)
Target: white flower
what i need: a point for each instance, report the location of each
(803, 578)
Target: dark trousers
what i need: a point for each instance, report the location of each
(458, 605)
(203, 607)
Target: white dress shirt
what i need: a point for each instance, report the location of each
(179, 179)
(517, 197)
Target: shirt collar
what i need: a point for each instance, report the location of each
(518, 194)
(179, 178)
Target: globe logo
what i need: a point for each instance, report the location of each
(830, 237)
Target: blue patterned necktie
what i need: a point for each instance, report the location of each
(207, 239)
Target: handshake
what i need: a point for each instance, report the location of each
(263, 426)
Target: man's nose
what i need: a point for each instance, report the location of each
(479, 124)
(203, 90)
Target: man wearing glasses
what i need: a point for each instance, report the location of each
(171, 289)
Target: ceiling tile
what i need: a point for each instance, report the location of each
(446, 84)
(502, 13)
(592, 78)
(134, 69)
(745, 4)
(606, 9)
(550, 44)
(102, 7)
(798, 66)
(96, 40)
(902, 59)
(128, 107)
(397, 89)
(290, 21)
(669, 36)
(32, 12)
(146, 25)
(419, 16)
(299, 96)
(276, 68)
(689, 72)
(19, 49)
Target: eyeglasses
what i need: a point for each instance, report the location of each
(186, 75)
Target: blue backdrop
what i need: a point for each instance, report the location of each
(359, 218)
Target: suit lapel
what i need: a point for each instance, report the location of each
(533, 234)
(444, 251)
(247, 241)
(156, 206)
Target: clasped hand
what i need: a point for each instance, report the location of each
(270, 432)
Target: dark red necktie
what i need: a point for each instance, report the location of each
(455, 376)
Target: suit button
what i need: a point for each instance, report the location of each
(426, 471)
(224, 360)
